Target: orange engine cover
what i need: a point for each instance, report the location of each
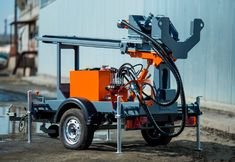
(89, 84)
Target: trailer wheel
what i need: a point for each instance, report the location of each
(55, 128)
(74, 132)
(154, 138)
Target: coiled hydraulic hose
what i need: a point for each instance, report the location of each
(157, 47)
(180, 90)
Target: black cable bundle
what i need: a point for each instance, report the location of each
(129, 70)
(157, 47)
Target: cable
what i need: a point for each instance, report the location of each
(177, 78)
(141, 68)
(165, 59)
(129, 70)
(180, 90)
(174, 69)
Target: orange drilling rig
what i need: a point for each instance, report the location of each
(127, 97)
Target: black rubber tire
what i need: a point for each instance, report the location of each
(154, 138)
(56, 129)
(22, 124)
(86, 134)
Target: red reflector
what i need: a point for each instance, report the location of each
(191, 121)
(135, 123)
(143, 120)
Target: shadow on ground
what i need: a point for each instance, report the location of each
(134, 148)
(211, 150)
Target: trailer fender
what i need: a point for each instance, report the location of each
(85, 105)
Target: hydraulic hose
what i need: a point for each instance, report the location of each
(157, 46)
(180, 90)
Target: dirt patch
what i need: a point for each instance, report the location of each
(43, 148)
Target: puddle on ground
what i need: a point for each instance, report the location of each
(6, 96)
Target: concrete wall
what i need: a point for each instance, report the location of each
(209, 71)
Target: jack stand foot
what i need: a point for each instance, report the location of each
(198, 149)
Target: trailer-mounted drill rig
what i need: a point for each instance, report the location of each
(95, 96)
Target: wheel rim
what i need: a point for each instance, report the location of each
(72, 130)
(153, 134)
(22, 125)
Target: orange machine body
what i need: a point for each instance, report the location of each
(151, 56)
(89, 84)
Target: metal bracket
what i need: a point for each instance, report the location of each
(179, 49)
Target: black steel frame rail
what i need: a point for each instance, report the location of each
(81, 41)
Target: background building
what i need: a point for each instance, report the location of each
(209, 70)
(23, 53)
(27, 24)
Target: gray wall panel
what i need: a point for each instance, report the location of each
(86, 18)
(232, 95)
(209, 70)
